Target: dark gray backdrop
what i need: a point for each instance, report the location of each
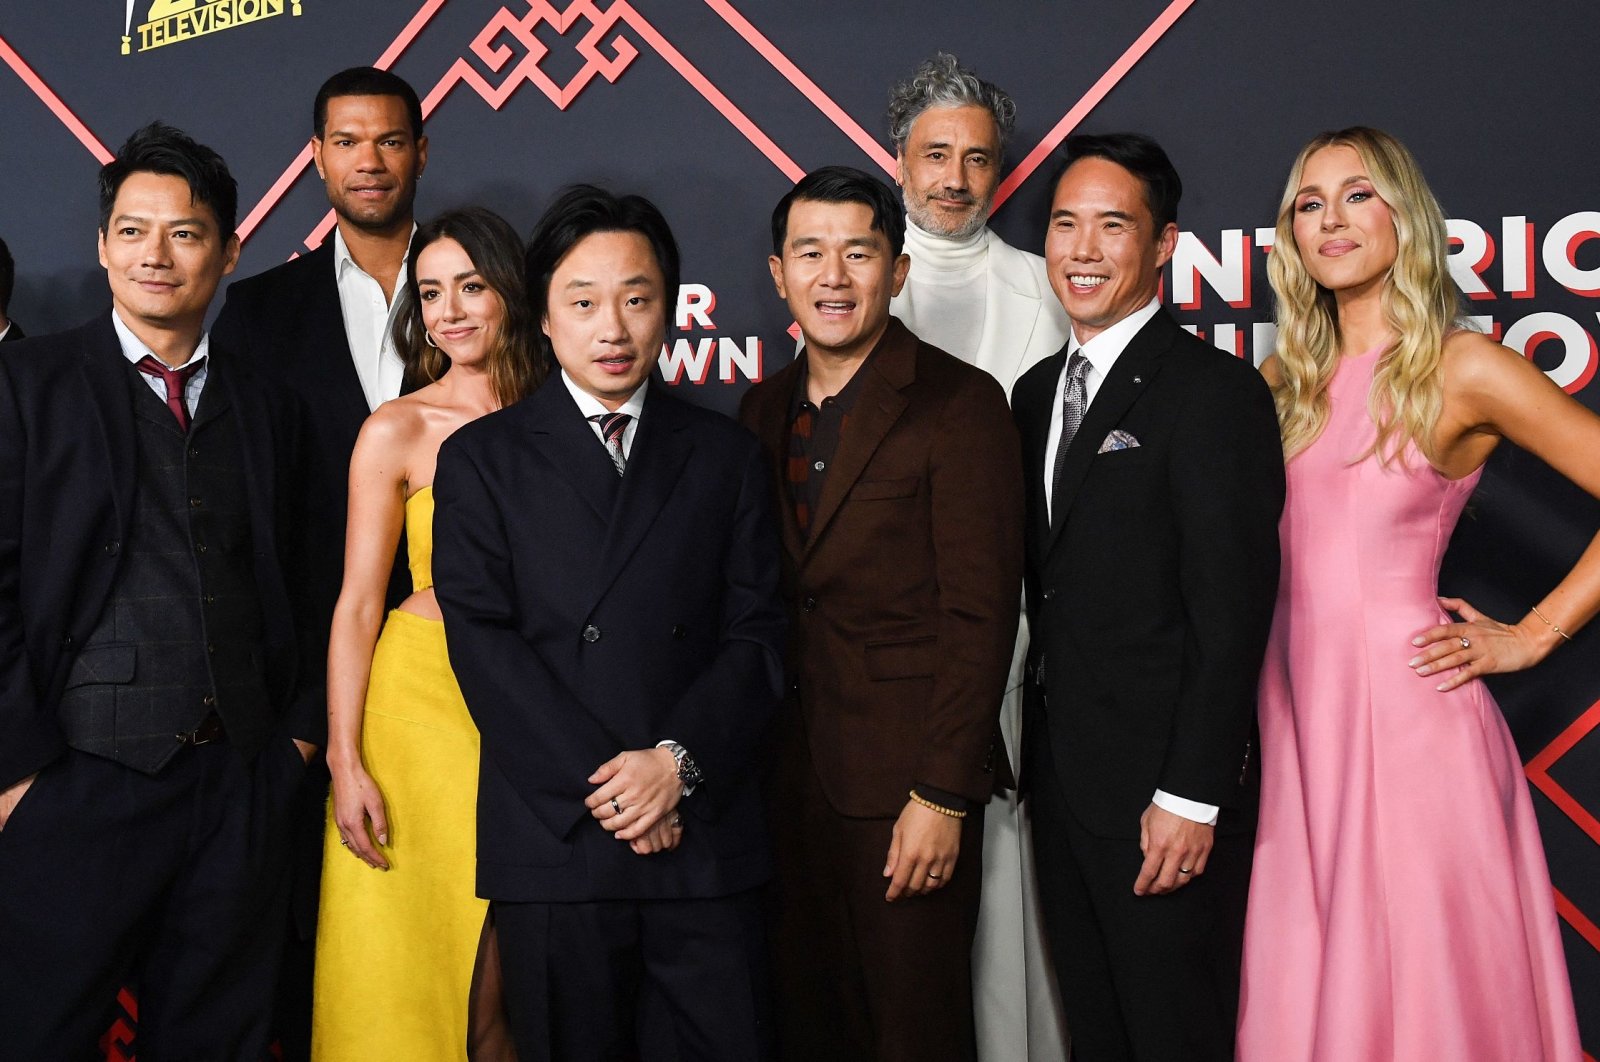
(1497, 100)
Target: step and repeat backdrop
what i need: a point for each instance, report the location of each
(714, 107)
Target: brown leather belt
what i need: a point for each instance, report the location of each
(209, 730)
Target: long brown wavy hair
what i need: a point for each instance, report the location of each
(513, 363)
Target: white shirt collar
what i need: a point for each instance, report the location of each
(1106, 347)
(342, 257)
(590, 406)
(134, 349)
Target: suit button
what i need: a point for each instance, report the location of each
(809, 604)
(194, 451)
(112, 547)
(1048, 594)
(679, 631)
(211, 649)
(591, 634)
(208, 700)
(795, 685)
(66, 643)
(194, 503)
(199, 547)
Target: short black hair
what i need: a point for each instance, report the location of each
(843, 184)
(8, 278)
(159, 148)
(580, 211)
(365, 81)
(1140, 156)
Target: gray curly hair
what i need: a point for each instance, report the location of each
(943, 82)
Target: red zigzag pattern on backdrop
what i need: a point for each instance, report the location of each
(490, 47)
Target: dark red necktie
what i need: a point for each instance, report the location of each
(177, 381)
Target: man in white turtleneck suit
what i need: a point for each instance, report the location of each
(988, 303)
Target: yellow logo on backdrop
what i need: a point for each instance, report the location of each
(170, 21)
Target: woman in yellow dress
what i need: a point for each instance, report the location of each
(400, 925)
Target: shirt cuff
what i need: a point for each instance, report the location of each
(1193, 810)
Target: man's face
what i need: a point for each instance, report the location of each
(369, 161)
(949, 168)
(1102, 249)
(837, 273)
(164, 254)
(606, 314)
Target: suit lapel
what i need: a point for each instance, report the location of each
(772, 425)
(326, 343)
(877, 407)
(571, 447)
(106, 376)
(1010, 315)
(661, 447)
(1132, 373)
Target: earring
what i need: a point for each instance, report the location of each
(427, 337)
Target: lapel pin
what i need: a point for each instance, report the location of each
(1138, 379)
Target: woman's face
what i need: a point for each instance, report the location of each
(1343, 230)
(459, 309)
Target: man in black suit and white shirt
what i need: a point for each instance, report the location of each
(155, 717)
(321, 323)
(1155, 482)
(607, 564)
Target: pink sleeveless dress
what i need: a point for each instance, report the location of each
(1400, 907)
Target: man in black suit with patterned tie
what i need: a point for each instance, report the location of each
(155, 718)
(607, 565)
(1155, 482)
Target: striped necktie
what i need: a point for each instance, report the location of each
(612, 425)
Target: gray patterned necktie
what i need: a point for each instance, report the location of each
(1074, 399)
(612, 425)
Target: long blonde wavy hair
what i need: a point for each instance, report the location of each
(1419, 301)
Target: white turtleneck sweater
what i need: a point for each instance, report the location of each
(944, 297)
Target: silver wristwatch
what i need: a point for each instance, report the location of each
(688, 771)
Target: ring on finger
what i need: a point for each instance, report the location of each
(616, 808)
(932, 876)
(1466, 643)
(1185, 870)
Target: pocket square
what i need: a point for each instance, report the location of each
(1118, 440)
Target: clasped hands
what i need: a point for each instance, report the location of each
(636, 799)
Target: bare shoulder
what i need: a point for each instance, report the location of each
(1479, 370)
(1272, 371)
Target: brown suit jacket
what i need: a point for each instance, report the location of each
(903, 603)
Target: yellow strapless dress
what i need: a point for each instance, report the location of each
(395, 948)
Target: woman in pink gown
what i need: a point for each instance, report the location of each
(1400, 907)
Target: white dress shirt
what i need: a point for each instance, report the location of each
(1103, 351)
(134, 350)
(4, 330)
(369, 323)
(590, 406)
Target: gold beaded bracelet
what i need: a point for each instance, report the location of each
(1564, 635)
(940, 808)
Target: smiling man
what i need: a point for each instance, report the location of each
(901, 512)
(1155, 482)
(607, 567)
(155, 713)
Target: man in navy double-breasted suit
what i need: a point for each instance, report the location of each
(607, 568)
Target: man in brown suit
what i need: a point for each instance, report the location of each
(901, 512)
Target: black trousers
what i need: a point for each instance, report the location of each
(1143, 978)
(624, 980)
(860, 978)
(176, 882)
